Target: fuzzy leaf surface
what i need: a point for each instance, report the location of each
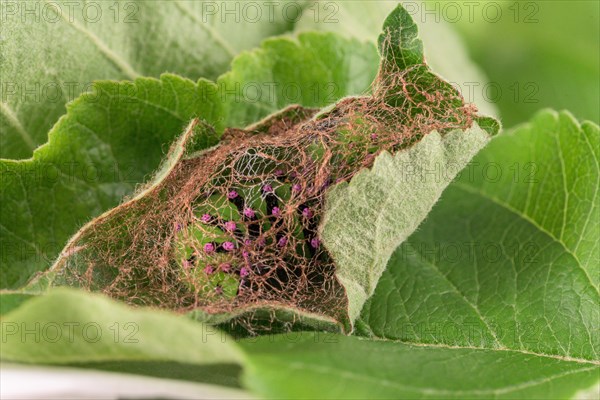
(367, 220)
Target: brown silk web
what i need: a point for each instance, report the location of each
(238, 226)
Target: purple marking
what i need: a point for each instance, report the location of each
(282, 242)
(268, 188)
(315, 243)
(209, 269)
(278, 172)
(307, 213)
(296, 187)
(228, 246)
(232, 195)
(245, 254)
(247, 242)
(261, 242)
(225, 267)
(245, 271)
(209, 248)
(373, 136)
(230, 226)
(276, 212)
(206, 218)
(248, 212)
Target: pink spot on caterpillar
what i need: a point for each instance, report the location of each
(276, 212)
(232, 195)
(206, 218)
(228, 246)
(209, 248)
(230, 226)
(225, 267)
(245, 271)
(248, 212)
(209, 269)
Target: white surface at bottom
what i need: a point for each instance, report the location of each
(43, 382)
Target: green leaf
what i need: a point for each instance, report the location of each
(11, 300)
(366, 220)
(315, 70)
(526, 57)
(506, 263)
(84, 330)
(513, 257)
(340, 367)
(494, 296)
(52, 51)
(113, 137)
(68, 326)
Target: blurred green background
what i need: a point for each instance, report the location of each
(536, 54)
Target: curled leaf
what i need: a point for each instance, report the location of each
(266, 221)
